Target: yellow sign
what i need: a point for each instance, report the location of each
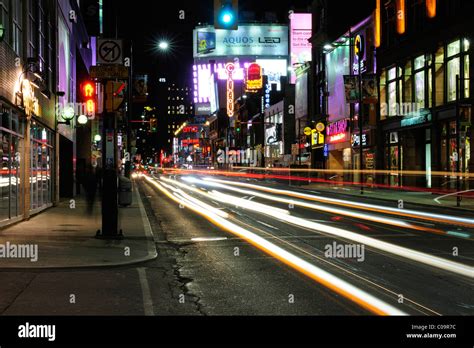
(320, 127)
(359, 46)
(307, 131)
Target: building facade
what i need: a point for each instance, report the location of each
(424, 65)
(38, 53)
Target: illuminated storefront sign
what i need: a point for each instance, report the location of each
(355, 140)
(416, 118)
(230, 89)
(254, 78)
(188, 142)
(337, 131)
(27, 99)
(317, 139)
(191, 129)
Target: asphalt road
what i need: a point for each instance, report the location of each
(244, 247)
(231, 270)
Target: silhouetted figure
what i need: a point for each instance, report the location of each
(90, 186)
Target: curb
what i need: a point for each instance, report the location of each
(151, 248)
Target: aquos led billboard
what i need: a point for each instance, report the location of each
(248, 40)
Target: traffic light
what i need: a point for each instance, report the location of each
(226, 14)
(115, 95)
(153, 125)
(279, 132)
(88, 97)
(238, 126)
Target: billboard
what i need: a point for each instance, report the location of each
(140, 88)
(300, 29)
(248, 40)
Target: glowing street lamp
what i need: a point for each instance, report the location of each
(163, 45)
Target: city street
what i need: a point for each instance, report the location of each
(212, 235)
(180, 170)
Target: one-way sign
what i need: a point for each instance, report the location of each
(109, 51)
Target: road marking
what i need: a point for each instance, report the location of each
(450, 194)
(146, 295)
(208, 239)
(264, 224)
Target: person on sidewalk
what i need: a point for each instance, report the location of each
(90, 187)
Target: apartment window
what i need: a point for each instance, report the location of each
(32, 28)
(392, 98)
(408, 83)
(42, 23)
(467, 92)
(4, 19)
(17, 19)
(456, 53)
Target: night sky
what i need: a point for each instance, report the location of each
(145, 22)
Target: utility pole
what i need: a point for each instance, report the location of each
(359, 119)
(458, 143)
(128, 157)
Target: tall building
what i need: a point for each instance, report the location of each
(175, 106)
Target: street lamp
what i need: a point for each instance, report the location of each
(163, 45)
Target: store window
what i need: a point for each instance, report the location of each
(10, 154)
(439, 76)
(41, 183)
(423, 81)
(457, 66)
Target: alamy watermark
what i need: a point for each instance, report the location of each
(19, 251)
(345, 251)
(249, 156)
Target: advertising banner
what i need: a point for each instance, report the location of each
(248, 40)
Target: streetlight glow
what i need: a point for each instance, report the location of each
(163, 45)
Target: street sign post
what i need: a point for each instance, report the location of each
(103, 72)
(109, 51)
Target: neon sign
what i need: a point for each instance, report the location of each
(254, 78)
(230, 89)
(336, 131)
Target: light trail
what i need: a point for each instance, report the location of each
(332, 282)
(411, 254)
(447, 219)
(357, 215)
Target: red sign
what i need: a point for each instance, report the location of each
(191, 129)
(187, 142)
(254, 78)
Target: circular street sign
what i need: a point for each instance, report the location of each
(320, 127)
(110, 51)
(307, 131)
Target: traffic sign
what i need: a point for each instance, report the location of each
(307, 131)
(109, 72)
(109, 51)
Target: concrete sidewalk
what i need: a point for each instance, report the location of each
(65, 238)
